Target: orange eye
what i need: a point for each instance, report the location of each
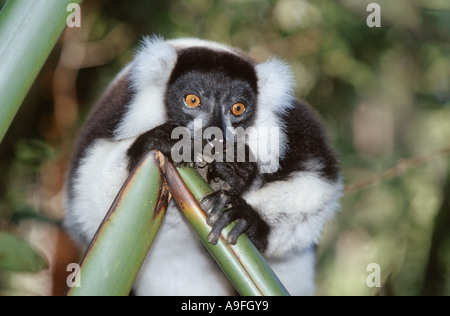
(238, 108)
(192, 101)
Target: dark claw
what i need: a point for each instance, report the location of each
(217, 201)
(223, 220)
(241, 226)
(208, 201)
(213, 238)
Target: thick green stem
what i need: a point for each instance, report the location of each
(118, 249)
(29, 30)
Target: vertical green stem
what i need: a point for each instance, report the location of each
(29, 30)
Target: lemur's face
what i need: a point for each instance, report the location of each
(215, 87)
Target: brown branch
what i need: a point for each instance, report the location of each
(403, 166)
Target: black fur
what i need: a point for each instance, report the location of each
(306, 140)
(102, 121)
(158, 138)
(206, 60)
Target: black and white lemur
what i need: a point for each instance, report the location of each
(282, 207)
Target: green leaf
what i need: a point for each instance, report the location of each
(17, 255)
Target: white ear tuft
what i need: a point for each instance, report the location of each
(150, 72)
(275, 85)
(275, 96)
(153, 63)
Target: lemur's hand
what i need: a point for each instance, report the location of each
(227, 208)
(158, 138)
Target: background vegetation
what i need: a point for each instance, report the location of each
(383, 94)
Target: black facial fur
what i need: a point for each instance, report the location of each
(207, 60)
(220, 80)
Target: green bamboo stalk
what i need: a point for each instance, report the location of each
(118, 249)
(29, 30)
(242, 263)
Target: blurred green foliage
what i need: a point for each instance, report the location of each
(17, 255)
(383, 94)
